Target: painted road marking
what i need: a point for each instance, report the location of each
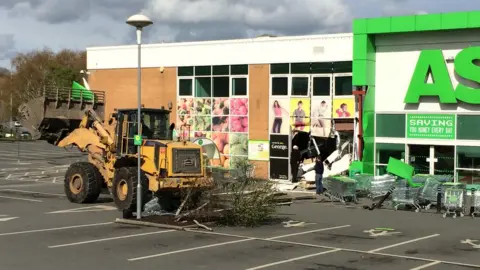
(342, 249)
(307, 232)
(32, 192)
(6, 218)
(190, 249)
(110, 238)
(404, 243)
(471, 243)
(293, 223)
(21, 199)
(293, 259)
(96, 208)
(426, 265)
(380, 232)
(232, 242)
(56, 229)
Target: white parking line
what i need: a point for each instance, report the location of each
(32, 192)
(293, 259)
(403, 243)
(307, 232)
(57, 229)
(190, 249)
(110, 238)
(426, 265)
(246, 238)
(21, 199)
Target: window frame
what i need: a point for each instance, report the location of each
(335, 75)
(232, 77)
(290, 85)
(330, 76)
(192, 79)
(271, 84)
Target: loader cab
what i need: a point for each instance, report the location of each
(155, 125)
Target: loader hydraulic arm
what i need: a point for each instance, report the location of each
(90, 132)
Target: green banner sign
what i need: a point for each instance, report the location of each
(137, 140)
(431, 126)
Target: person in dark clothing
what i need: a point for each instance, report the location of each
(319, 169)
(295, 159)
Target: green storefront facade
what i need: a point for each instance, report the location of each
(422, 83)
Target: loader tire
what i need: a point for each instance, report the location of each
(82, 183)
(124, 190)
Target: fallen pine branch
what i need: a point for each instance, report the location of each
(202, 226)
(179, 217)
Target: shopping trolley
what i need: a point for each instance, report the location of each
(427, 196)
(454, 202)
(403, 194)
(340, 188)
(473, 191)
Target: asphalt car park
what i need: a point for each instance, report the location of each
(40, 229)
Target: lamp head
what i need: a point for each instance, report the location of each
(139, 21)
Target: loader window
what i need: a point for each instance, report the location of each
(155, 125)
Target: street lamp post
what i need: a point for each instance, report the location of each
(139, 21)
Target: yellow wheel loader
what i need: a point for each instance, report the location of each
(168, 166)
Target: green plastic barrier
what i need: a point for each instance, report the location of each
(79, 92)
(356, 167)
(402, 170)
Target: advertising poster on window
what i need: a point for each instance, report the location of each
(300, 114)
(238, 145)
(343, 107)
(279, 146)
(258, 150)
(221, 141)
(221, 106)
(203, 106)
(321, 116)
(279, 116)
(185, 106)
(279, 168)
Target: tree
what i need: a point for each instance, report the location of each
(36, 70)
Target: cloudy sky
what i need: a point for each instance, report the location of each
(77, 24)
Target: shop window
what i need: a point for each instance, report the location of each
(221, 86)
(299, 86)
(300, 68)
(343, 86)
(467, 127)
(387, 150)
(221, 70)
(203, 87)
(322, 68)
(321, 86)
(342, 67)
(185, 87)
(280, 68)
(468, 177)
(185, 71)
(203, 70)
(239, 86)
(390, 125)
(279, 86)
(380, 169)
(239, 69)
(468, 157)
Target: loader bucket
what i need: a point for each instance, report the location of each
(59, 111)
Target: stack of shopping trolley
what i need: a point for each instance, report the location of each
(405, 195)
(380, 185)
(454, 199)
(340, 188)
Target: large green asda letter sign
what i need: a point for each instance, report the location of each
(433, 62)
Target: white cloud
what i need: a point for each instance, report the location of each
(76, 24)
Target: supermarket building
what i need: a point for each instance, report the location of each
(417, 74)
